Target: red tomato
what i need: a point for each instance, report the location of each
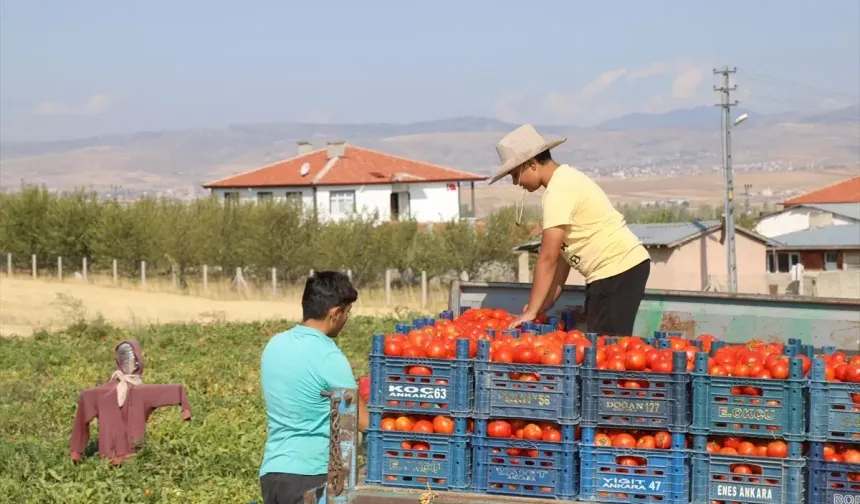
(532, 432)
(403, 424)
(436, 350)
(646, 443)
(551, 435)
(662, 366)
(443, 425)
(628, 461)
(411, 351)
(777, 449)
(624, 441)
(388, 424)
(524, 354)
(505, 355)
(779, 370)
(551, 358)
(602, 440)
(499, 429)
(393, 348)
(423, 427)
(419, 370)
(635, 361)
(663, 440)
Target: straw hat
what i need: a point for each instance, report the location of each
(519, 146)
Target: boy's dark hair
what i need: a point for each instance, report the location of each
(543, 157)
(325, 290)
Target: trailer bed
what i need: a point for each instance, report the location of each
(383, 495)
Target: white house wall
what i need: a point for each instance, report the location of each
(428, 202)
(434, 202)
(789, 221)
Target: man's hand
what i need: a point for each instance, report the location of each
(527, 316)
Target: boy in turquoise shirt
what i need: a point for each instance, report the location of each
(296, 366)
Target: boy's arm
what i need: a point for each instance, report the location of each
(545, 273)
(562, 271)
(339, 375)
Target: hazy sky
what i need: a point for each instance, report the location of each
(73, 68)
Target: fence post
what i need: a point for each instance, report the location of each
(34, 266)
(274, 281)
(9, 264)
(86, 267)
(143, 273)
(423, 289)
(60, 268)
(349, 274)
(311, 273)
(173, 276)
(205, 278)
(387, 286)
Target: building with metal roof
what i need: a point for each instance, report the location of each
(808, 216)
(688, 256)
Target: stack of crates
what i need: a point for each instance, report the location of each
(834, 417)
(521, 467)
(775, 412)
(660, 402)
(409, 459)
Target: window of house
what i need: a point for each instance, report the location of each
(785, 260)
(231, 196)
(294, 197)
(771, 263)
(264, 196)
(851, 260)
(830, 261)
(341, 202)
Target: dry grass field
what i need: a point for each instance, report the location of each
(705, 189)
(28, 305)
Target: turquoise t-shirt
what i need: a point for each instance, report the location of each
(296, 366)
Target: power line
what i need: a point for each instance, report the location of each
(805, 88)
(726, 103)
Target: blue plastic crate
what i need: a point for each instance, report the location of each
(774, 481)
(449, 389)
(661, 402)
(535, 469)
(663, 478)
(833, 414)
(779, 412)
(831, 482)
(554, 396)
(444, 462)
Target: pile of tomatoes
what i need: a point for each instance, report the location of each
(546, 349)
(420, 424)
(843, 454)
(548, 432)
(632, 353)
(642, 440)
(748, 447)
(756, 359)
(840, 368)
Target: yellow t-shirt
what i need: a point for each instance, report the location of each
(597, 242)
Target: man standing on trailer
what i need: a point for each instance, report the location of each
(296, 367)
(581, 229)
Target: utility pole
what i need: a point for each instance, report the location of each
(726, 103)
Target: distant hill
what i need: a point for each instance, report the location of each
(697, 118)
(679, 141)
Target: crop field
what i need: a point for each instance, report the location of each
(213, 458)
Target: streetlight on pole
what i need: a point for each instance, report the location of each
(729, 215)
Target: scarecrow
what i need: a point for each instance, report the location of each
(122, 406)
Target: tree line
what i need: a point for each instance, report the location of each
(180, 236)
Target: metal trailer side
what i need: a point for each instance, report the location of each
(731, 317)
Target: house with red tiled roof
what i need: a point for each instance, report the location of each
(847, 191)
(835, 205)
(341, 180)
